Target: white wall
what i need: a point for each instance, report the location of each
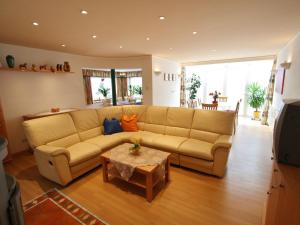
(165, 93)
(26, 93)
(290, 53)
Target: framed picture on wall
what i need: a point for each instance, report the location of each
(169, 77)
(279, 80)
(165, 76)
(173, 77)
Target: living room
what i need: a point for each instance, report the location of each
(81, 81)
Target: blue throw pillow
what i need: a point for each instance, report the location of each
(112, 126)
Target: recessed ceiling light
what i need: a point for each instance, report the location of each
(63, 45)
(84, 12)
(35, 23)
(194, 32)
(171, 49)
(147, 38)
(121, 46)
(94, 36)
(162, 17)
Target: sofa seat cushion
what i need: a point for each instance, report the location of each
(196, 148)
(147, 137)
(105, 142)
(168, 142)
(124, 136)
(82, 151)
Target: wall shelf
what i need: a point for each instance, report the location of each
(30, 71)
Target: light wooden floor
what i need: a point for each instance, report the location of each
(189, 198)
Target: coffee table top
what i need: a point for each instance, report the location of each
(148, 159)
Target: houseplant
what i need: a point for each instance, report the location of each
(138, 90)
(136, 145)
(194, 84)
(104, 91)
(215, 96)
(256, 98)
(131, 90)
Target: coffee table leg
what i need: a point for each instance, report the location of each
(167, 170)
(105, 172)
(149, 187)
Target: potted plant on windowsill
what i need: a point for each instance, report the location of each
(256, 98)
(104, 91)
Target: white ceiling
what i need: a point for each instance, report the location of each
(234, 28)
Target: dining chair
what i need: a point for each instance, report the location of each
(192, 104)
(237, 108)
(212, 106)
(199, 101)
(222, 99)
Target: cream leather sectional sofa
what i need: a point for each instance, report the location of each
(68, 145)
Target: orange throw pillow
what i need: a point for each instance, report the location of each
(129, 123)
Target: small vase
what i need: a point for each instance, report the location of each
(10, 60)
(67, 67)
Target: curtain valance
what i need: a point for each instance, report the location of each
(95, 73)
(129, 74)
(105, 73)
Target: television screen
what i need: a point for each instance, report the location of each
(286, 144)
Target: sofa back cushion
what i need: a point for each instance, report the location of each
(49, 129)
(156, 117)
(109, 113)
(139, 111)
(179, 121)
(208, 125)
(87, 123)
(210, 137)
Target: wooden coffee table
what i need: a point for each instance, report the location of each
(144, 176)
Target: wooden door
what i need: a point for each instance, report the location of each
(272, 198)
(289, 198)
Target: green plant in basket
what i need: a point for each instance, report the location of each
(134, 149)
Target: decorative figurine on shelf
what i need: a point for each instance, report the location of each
(23, 66)
(34, 68)
(43, 67)
(10, 60)
(55, 110)
(67, 67)
(134, 150)
(52, 69)
(215, 96)
(59, 67)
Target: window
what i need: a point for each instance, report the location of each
(134, 82)
(128, 84)
(231, 79)
(104, 84)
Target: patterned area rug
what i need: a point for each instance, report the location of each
(55, 208)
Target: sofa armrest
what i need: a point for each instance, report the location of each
(53, 151)
(224, 142)
(53, 163)
(220, 152)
